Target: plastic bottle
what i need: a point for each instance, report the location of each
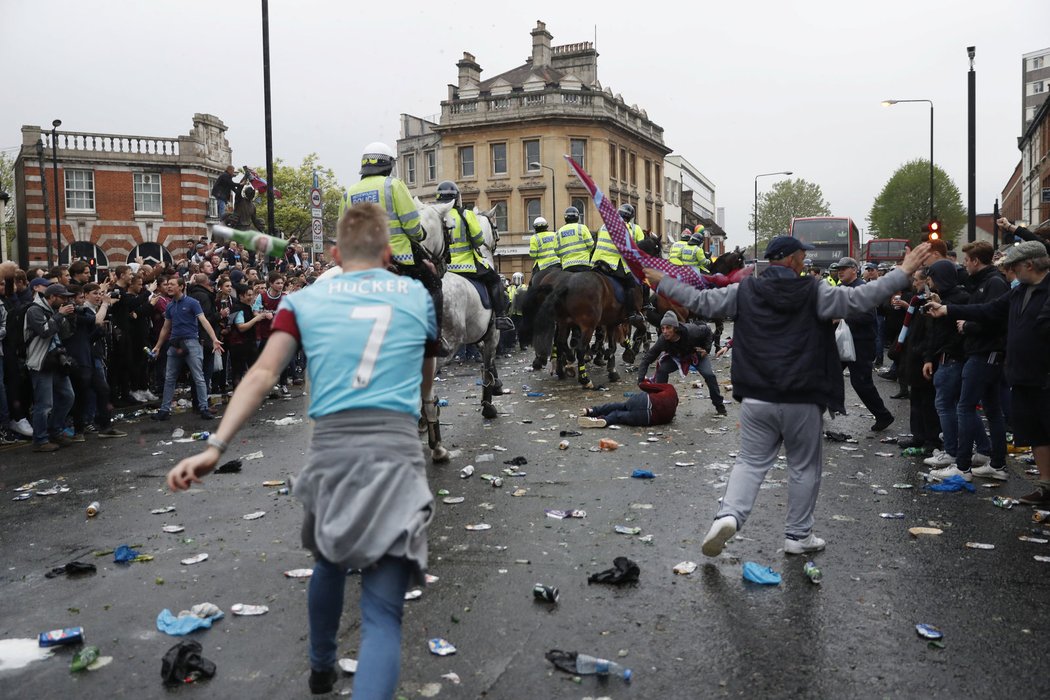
(590, 665)
(93, 509)
(84, 658)
(812, 572)
(913, 452)
(252, 240)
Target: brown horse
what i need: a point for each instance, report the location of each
(725, 264)
(568, 318)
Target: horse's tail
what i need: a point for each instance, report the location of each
(545, 321)
(529, 304)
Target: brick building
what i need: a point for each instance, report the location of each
(119, 196)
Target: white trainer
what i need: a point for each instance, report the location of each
(720, 532)
(939, 459)
(810, 544)
(22, 427)
(987, 471)
(950, 471)
(588, 422)
(979, 460)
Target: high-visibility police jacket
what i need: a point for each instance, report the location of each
(574, 245)
(465, 242)
(389, 193)
(831, 280)
(513, 291)
(693, 256)
(675, 255)
(605, 250)
(543, 248)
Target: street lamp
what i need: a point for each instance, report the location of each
(890, 103)
(781, 172)
(54, 176)
(554, 196)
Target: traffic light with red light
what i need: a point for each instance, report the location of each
(932, 230)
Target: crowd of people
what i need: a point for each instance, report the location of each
(79, 344)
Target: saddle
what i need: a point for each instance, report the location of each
(619, 285)
(483, 292)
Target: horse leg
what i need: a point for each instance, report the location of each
(610, 358)
(583, 357)
(432, 416)
(488, 375)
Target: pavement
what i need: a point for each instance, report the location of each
(707, 634)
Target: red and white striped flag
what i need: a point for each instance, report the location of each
(636, 259)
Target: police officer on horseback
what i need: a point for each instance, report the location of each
(575, 243)
(378, 186)
(674, 256)
(693, 255)
(466, 239)
(607, 259)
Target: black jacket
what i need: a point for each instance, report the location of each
(983, 338)
(224, 186)
(864, 328)
(206, 298)
(1028, 331)
(690, 337)
(944, 341)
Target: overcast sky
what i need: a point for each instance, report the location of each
(739, 88)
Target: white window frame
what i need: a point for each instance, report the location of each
(410, 168)
(83, 191)
(500, 214)
(539, 211)
(139, 182)
(582, 206)
(525, 153)
(473, 162)
(213, 204)
(430, 158)
(583, 160)
(492, 152)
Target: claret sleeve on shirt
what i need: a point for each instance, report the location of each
(284, 320)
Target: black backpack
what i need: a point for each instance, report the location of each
(15, 342)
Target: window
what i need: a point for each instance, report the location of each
(531, 150)
(578, 151)
(499, 159)
(612, 161)
(649, 217)
(648, 174)
(213, 206)
(581, 204)
(147, 193)
(80, 190)
(431, 163)
(1037, 87)
(623, 165)
(1037, 62)
(658, 177)
(634, 170)
(659, 223)
(499, 215)
(466, 161)
(532, 210)
(410, 168)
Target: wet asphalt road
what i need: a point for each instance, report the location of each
(708, 634)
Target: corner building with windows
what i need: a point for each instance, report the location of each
(119, 196)
(502, 141)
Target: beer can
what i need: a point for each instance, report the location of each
(93, 509)
(548, 594)
(69, 635)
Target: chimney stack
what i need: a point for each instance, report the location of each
(469, 72)
(541, 45)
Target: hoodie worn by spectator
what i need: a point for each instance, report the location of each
(982, 338)
(43, 324)
(691, 337)
(944, 341)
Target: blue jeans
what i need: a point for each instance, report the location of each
(221, 205)
(633, 411)
(980, 384)
(947, 383)
(52, 402)
(194, 357)
(382, 601)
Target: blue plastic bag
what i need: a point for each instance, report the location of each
(642, 474)
(756, 573)
(124, 554)
(952, 484)
(168, 623)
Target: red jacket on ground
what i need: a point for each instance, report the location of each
(664, 401)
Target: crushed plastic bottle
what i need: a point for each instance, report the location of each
(177, 433)
(812, 572)
(84, 658)
(587, 665)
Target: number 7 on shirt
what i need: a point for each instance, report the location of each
(380, 316)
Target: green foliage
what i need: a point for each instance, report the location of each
(902, 209)
(784, 201)
(7, 184)
(292, 211)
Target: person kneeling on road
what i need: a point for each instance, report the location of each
(654, 405)
(681, 346)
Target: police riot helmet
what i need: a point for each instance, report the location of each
(517, 278)
(626, 212)
(808, 262)
(696, 239)
(377, 159)
(539, 224)
(448, 191)
(572, 215)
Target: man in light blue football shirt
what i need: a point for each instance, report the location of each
(364, 487)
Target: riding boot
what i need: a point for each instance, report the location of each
(432, 283)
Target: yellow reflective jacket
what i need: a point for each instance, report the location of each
(543, 248)
(693, 256)
(675, 255)
(574, 245)
(605, 250)
(465, 242)
(390, 194)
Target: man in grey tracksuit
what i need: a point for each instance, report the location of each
(786, 373)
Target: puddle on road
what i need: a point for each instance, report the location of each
(19, 653)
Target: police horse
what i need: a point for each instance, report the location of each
(466, 319)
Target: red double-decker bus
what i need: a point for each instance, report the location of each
(833, 237)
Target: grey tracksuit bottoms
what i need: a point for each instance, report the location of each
(763, 428)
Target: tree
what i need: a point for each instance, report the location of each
(784, 201)
(291, 213)
(902, 209)
(7, 184)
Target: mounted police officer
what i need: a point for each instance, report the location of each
(674, 256)
(575, 243)
(607, 258)
(693, 255)
(466, 239)
(378, 186)
(543, 249)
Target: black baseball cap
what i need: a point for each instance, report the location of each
(783, 246)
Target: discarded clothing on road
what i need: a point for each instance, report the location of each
(952, 484)
(73, 568)
(200, 617)
(231, 467)
(624, 571)
(517, 462)
(183, 663)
